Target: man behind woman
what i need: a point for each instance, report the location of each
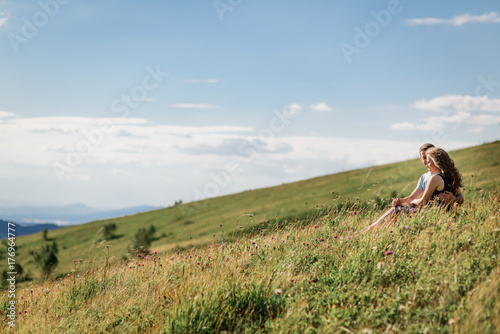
(440, 185)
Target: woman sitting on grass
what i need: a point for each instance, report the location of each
(445, 178)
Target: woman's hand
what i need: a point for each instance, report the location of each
(396, 202)
(416, 202)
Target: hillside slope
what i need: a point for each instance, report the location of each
(205, 221)
(429, 272)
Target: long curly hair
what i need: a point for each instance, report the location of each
(447, 166)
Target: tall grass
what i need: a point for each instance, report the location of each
(431, 272)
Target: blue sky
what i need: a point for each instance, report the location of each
(174, 92)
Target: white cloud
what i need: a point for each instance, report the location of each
(4, 16)
(192, 106)
(484, 120)
(433, 123)
(447, 103)
(320, 107)
(459, 20)
(6, 114)
(293, 109)
(147, 166)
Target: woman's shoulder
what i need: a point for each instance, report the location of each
(437, 178)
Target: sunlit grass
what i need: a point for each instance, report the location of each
(431, 272)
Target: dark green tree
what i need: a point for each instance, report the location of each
(44, 234)
(109, 231)
(143, 238)
(46, 258)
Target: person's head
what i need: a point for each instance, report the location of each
(446, 165)
(423, 152)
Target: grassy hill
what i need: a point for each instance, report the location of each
(429, 272)
(206, 221)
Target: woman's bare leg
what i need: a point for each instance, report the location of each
(382, 219)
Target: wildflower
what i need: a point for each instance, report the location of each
(253, 242)
(303, 243)
(314, 280)
(354, 213)
(305, 256)
(316, 226)
(321, 239)
(394, 220)
(388, 253)
(198, 263)
(368, 260)
(329, 219)
(155, 252)
(335, 236)
(315, 239)
(327, 246)
(292, 280)
(390, 231)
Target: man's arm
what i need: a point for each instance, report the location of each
(449, 198)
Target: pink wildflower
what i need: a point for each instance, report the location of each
(388, 253)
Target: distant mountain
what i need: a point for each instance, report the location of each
(23, 229)
(66, 215)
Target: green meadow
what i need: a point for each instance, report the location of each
(282, 259)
